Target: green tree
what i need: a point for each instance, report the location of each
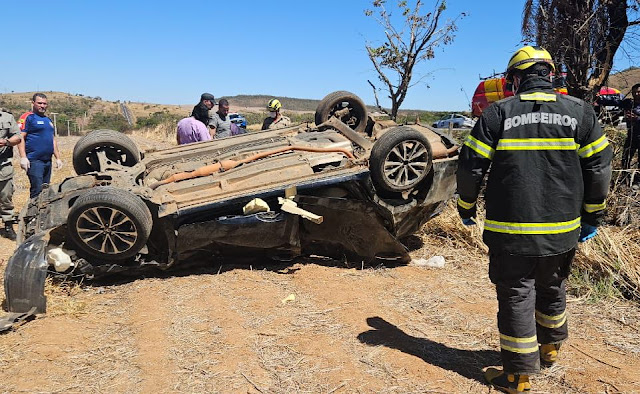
(406, 45)
(581, 35)
(112, 121)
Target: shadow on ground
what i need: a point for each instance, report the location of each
(468, 363)
(202, 266)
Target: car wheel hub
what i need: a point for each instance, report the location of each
(107, 230)
(406, 163)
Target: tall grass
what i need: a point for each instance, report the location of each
(163, 132)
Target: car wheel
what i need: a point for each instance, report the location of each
(109, 223)
(347, 107)
(118, 148)
(400, 159)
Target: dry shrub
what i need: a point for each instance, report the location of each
(606, 266)
(446, 236)
(62, 298)
(612, 257)
(610, 261)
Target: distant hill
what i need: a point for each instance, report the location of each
(625, 79)
(78, 113)
(260, 101)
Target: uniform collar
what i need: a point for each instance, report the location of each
(535, 83)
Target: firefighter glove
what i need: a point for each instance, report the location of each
(468, 222)
(587, 231)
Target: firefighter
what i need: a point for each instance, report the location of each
(275, 120)
(550, 172)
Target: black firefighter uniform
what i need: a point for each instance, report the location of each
(550, 170)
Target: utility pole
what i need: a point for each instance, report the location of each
(55, 123)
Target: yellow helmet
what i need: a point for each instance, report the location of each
(526, 57)
(274, 105)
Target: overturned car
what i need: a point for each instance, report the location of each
(345, 188)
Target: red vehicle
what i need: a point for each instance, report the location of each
(497, 88)
(488, 91)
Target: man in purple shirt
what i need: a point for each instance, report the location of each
(192, 130)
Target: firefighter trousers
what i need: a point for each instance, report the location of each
(531, 295)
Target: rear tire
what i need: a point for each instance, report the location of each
(118, 147)
(335, 103)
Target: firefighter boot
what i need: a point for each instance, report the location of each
(506, 382)
(549, 354)
(8, 232)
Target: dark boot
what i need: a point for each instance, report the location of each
(8, 232)
(549, 354)
(507, 383)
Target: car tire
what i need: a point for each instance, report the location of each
(400, 160)
(109, 224)
(118, 147)
(355, 117)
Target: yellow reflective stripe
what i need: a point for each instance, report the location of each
(595, 207)
(538, 96)
(537, 144)
(532, 349)
(479, 147)
(464, 204)
(519, 345)
(551, 321)
(594, 147)
(519, 340)
(531, 228)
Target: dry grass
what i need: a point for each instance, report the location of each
(607, 266)
(165, 133)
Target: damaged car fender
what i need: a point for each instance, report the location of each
(25, 275)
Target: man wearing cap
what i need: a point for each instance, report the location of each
(201, 110)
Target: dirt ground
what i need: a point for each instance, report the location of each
(309, 326)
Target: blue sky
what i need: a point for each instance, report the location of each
(169, 52)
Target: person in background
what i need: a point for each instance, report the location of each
(632, 143)
(546, 191)
(201, 110)
(275, 120)
(192, 130)
(220, 123)
(37, 145)
(9, 137)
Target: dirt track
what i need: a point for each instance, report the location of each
(228, 329)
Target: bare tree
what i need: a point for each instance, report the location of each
(581, 35)
(406, 45)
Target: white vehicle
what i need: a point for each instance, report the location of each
(458, 121)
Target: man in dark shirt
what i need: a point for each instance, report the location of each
(201, 110)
